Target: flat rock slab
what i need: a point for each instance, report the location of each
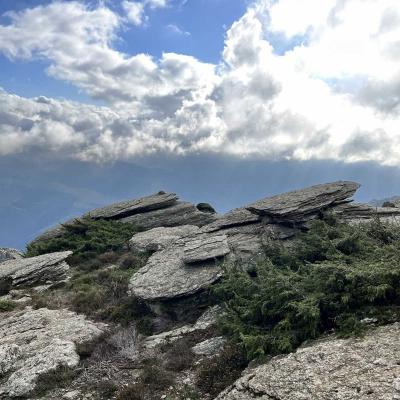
(28, 272)
(9, 254)
(182, 213)
(234, 218)
(159, 238)
(205, 247)
(353, 212)
(135, 206)
(166, 276)
(351, 369)
(210, 347)
(35, 342)
(300, 204)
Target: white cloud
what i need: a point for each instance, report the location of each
(176, 29)
(135, 10)
(336, 96)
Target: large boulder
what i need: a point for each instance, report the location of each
(27, 272)
(159, 238)
(9, 254)
(36, 342)
(167, 276)
(333, 369)
(301, 205)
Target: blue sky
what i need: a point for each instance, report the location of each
(141, 88)
(205, 21)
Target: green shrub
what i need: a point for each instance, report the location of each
(7, 305)
(206, 207)
(87, 239)
(334, 276)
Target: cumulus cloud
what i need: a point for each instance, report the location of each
(135, 10)
(334, 96)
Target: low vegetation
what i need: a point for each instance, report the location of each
(7, 305)
(87, 238)
(334, 278)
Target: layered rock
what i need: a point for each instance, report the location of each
(181, 213)
(136, 206)
(301, 205)
(159, 238)
(9, 254)
(355, 369)
(28, 272)
(166, 276)
(36, 342)
(157, 210)
(200, 248)
(358, 212)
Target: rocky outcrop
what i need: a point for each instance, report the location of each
(137, 206)
(358, 212)
(35, 342)
(157, 210)
(334, 369)
(159, 238)
(166, 276)
(300, 205)
(210, 347)
(181, 213)
(28, 272)
(200, 248)
(9, 254)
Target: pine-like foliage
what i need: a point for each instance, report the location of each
(335, 276)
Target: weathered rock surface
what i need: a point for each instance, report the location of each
(159, 238)
(210, 347)
(28, 272)
(299, 205)
(205, 247)
(136, 206)
(351, 369)
(181, 213)
(207, 320)
(358, 212)
(166, 275)
(9, 254)
(35, 342)
(234, 218)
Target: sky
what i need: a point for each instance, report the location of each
(144, 87)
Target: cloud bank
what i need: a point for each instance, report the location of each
(297, 80)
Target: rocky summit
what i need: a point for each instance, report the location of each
(293, 296)
(334, 369)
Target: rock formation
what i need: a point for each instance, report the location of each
(159, 238)
(9, 254)
(332, 369)
(28, 272)
(300, 205)
(157, 210)
(35, 342)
